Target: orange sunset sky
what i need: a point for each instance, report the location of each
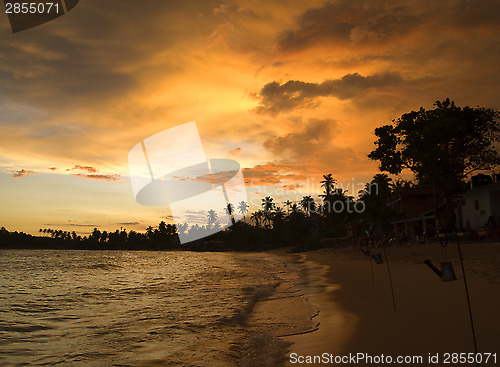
(290, 89)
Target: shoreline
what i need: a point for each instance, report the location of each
(431, 316)
(319, 291)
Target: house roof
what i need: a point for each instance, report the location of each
(495, 186)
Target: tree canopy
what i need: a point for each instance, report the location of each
(439, 146)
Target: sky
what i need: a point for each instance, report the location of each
(291, 90)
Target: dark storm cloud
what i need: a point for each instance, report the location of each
(358, 22)
(341, 22)
(276, 97)
(92, 55)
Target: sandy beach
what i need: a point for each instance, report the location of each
(357, 313)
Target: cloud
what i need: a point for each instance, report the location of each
(89, 169)
(52, 168)
(90, 92)
(235, 151)
(313, 151)
(343, 22)
(98, 177)
(276, 97)
(291, 187)
(271, 173)
(92, 173)
(23, 172)
(72, 224)
(348, 23)
(316, 134)
(80, 225)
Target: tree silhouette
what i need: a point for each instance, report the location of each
(229, 209)
(308, 204)
(243, 208)
(212, 217)
(256, 217)
(376, 196)
(95, 235)
(328, 183)
(279, 216)
(440, 147)
(268, 205)
(182, 228)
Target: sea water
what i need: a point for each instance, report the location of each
(139, 308)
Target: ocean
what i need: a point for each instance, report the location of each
(140, 308)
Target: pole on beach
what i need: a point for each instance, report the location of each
(371, 269)
(466, 293)
(390, 279)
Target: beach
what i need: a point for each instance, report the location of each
(428, 317)
(247, 309)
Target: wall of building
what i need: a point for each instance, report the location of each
(476, 209)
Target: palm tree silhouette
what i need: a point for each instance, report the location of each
(256, 217)
(212, 217)
(288, 205)
(308, 204)
(328, 184)
(267, 204)
(243, 208)
(182, 228)
(278, 215)
(229, 211)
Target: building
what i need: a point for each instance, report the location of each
(481, 207)
(414, 208)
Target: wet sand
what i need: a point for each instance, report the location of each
(357, 312)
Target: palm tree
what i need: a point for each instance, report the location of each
(149, 233)
(256, 217)
(182, 227)
(328, 184)
(229, 209)
(267, 204)
(400, 185)
(279, 215)
(212, 217)
(308, 204)
(288, 205)
(268, 217)
(383, 183)
(104, 236)
(243, 208)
